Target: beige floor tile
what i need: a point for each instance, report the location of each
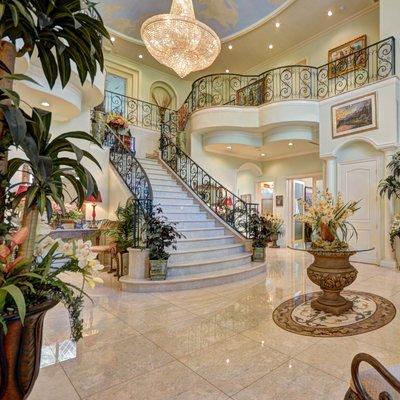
(171, 382)
(334, 355)
(235, 363)
(295, 381)
(97, 370)
(53, 384)
(270, 334)
(189, 336)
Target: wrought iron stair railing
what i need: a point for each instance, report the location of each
(229, 207)
(134, 176)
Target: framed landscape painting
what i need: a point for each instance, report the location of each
(347, 57)
(354, 116)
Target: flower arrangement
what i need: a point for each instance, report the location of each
(117, 121)
(28, 282)
(328, 217)
(394, 229)
(71, 212)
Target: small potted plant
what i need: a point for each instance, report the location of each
(160, 235)
(275, 224)
(395, 236)
(67, 218)
(328, 217)
(259, 232)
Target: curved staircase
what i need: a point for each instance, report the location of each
(210, 254)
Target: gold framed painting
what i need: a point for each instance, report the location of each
(347, 57)
(354, 116)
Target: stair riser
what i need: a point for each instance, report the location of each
(176, 209)
(199, 216)
(176, 202)
(203, 234)
(168, 188)
(193, 245)
(204, 255)
(196, 224)
(166, 194)
(165, 182)
(157, 175)
(201, 269)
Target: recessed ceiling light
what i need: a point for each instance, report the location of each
(140, 56)
(290, 144)
(229, 147)
(330, 13)
(271, 46)
(227, 71)
(45, 104)
(277, 24)
(112, 38)
(230, 47)
(263, 154)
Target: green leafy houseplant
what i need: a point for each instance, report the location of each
(259, 231)
(160, 235)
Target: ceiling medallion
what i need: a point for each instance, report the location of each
(179, 41)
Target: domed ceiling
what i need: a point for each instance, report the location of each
(226, 17)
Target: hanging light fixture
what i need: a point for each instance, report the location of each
(179, 41)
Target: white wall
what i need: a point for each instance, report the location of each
(246, 184)
(315, 50)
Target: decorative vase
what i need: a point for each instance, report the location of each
(158, 270)
(274, 239)
(258, 254)
(20, 351)
(326, 233)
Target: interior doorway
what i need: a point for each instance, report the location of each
(266, 190)
(300, 190)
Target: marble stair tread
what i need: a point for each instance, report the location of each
(200, 239)
(223, 259)
(206, 249)
(196, 281)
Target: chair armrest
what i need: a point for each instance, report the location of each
(374, 363)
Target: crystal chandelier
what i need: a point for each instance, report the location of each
(179, 41)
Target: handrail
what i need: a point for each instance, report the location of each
(135, 178)
(229, 207)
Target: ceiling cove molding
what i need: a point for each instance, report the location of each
(232, 137)
(258, 23)
(353, 17)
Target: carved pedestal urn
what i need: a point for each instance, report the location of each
(332, 272)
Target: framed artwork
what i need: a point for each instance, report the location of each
(246, 198)
(354, 116)
(279, 201)
(308, 194)
(347, 57)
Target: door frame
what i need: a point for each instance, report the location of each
(379, 175)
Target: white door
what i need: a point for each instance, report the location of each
(359, 180)
(298, 208)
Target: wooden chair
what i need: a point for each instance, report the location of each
(376, 383)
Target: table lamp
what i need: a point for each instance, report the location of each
(94, 200)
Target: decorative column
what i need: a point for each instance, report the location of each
(331, 174)
(388, 258)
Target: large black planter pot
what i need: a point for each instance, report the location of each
(20, 352)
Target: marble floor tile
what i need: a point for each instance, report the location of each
(171, 382)
(235, 363)
(294, 381)
(53, 384)
(189, 336)
(95, 371)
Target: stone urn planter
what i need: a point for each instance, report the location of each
(258, 254)
(20, 351)
(274, 238)
(158, 270)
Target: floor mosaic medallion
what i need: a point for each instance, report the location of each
(369, 312)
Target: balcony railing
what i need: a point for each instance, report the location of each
(293, 82)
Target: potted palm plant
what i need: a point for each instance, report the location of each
(259, 233)
(59, 33)
(275, 224)
(160, 235)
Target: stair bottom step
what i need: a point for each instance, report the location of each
(193, 282)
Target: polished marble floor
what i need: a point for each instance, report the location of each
(208, 344)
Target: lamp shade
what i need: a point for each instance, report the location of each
(94, 198)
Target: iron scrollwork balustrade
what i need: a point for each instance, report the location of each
(229, 207)
(136, 179)
(137, 112)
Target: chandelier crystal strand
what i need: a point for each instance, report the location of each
(179, 41)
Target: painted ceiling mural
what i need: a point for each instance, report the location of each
(226, 17)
